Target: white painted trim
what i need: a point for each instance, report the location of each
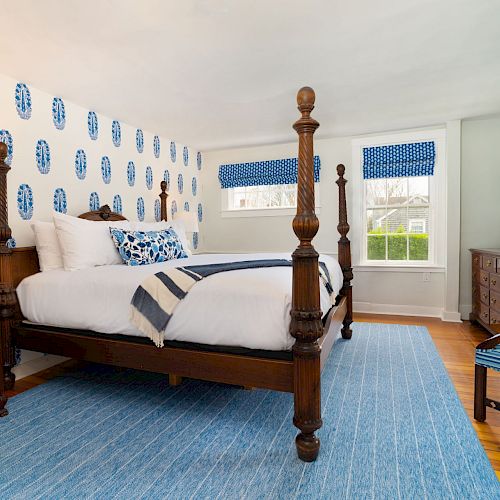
(451, 316)
(465, 310)
(365, 268)
(397, 309)
(38, 364)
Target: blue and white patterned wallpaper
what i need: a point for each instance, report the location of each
(70, 159)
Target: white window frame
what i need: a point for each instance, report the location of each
(227, 209)
(418, 221)
(437, 215)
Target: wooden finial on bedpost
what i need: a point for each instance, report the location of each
(163, 201)
(7, 292)
(344, 250)
(306, 326)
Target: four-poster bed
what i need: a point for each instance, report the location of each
(298, 372)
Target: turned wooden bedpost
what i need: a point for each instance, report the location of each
(163, 201)
(306, 326)
(7, 292)
(344, 250)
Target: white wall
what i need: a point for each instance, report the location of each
(480, 196)
(63, 146)
(397, 292)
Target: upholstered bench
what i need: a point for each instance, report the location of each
(487, 356)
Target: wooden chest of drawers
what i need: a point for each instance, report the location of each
(486, 289)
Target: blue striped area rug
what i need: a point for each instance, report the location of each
(393, 428)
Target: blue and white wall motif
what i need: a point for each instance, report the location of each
(139, 140)
(198, 160)
(157, 210)
(61, 160)
(173, 152)
(42, 155)
(80, 164)
(106, 169)
(140, 208)
(117, 204)
(25, 201)
(93, 125)
(131, 173)
(200, 212)
(6, 138)
(60, 201)
(156, 146)
(58, 113)
(195, 240)
(166, 178)
(186, 206)
(23, 101)
(180, 183)
(185, 156)
(116, 133)
(94, 203)
(149, 177)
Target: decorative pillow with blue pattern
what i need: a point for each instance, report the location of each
(138, 248)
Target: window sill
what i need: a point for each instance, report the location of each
(262, 212)
(391, 268)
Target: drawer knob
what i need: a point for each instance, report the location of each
(493, 300)
(485, 296)
(493, 282)
(493, 321)
(485, 315)
(488, 263)
(485, 278)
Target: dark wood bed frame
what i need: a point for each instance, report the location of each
(313, 338)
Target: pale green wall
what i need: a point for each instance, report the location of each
(480, 195)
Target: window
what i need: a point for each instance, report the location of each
(267, 187)
(262, 197)
(398, 219)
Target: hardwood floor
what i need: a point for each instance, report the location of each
(455, 343)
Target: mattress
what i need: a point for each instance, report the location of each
(247, 308)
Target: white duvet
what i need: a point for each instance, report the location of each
(246, 308)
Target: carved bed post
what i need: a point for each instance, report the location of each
(306, 326)
(163, 201)
(7, 292)
(344, 250)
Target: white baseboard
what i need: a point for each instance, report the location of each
(451, 316)
(37, 364)
(465, 310)
(397, 309)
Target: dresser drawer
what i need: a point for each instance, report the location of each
(495, 282)
(484, 278)
(495, 300)
(484, 314)
(494, 320)
(484, 295)
(488, 263)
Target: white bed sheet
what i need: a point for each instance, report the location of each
(246, 308)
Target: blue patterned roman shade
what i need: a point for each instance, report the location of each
(399, 160)
(263, 173)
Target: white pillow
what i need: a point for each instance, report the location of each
(177, 226)
(47, 246)
(86, 243)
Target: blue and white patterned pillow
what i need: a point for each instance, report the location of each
(138, 248)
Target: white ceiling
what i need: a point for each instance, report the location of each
(224, 73)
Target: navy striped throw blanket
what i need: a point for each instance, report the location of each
(156, 298)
